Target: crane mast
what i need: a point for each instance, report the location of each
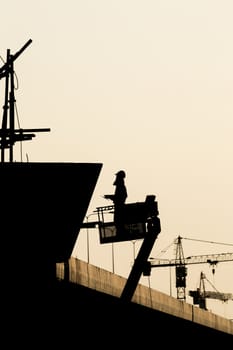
(181, 270)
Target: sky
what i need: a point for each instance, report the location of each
(143, 86)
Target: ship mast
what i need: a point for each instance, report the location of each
(8, 134)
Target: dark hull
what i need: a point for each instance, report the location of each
(42, 208)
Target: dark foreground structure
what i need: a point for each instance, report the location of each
(72, 315)
(42, 210)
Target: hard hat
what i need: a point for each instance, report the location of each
(121, 173)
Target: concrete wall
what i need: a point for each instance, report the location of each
(106, 282)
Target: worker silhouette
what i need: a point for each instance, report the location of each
(119, 198)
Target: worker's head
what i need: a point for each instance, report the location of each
(120, 174)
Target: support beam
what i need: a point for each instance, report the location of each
(140, 261)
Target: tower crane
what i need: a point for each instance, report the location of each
(200, 295)
(180, 262)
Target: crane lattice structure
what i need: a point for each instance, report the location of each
(180, 262)
(181, 270)
(200, 295)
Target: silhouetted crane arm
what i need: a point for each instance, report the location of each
(200, 295)
(196, 259)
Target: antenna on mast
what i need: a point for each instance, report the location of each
(8, 134)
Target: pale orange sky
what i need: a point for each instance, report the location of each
(144, 86)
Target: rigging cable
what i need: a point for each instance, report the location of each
(212, 242)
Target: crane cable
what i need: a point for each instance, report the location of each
(201, 240)
(210, 283)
